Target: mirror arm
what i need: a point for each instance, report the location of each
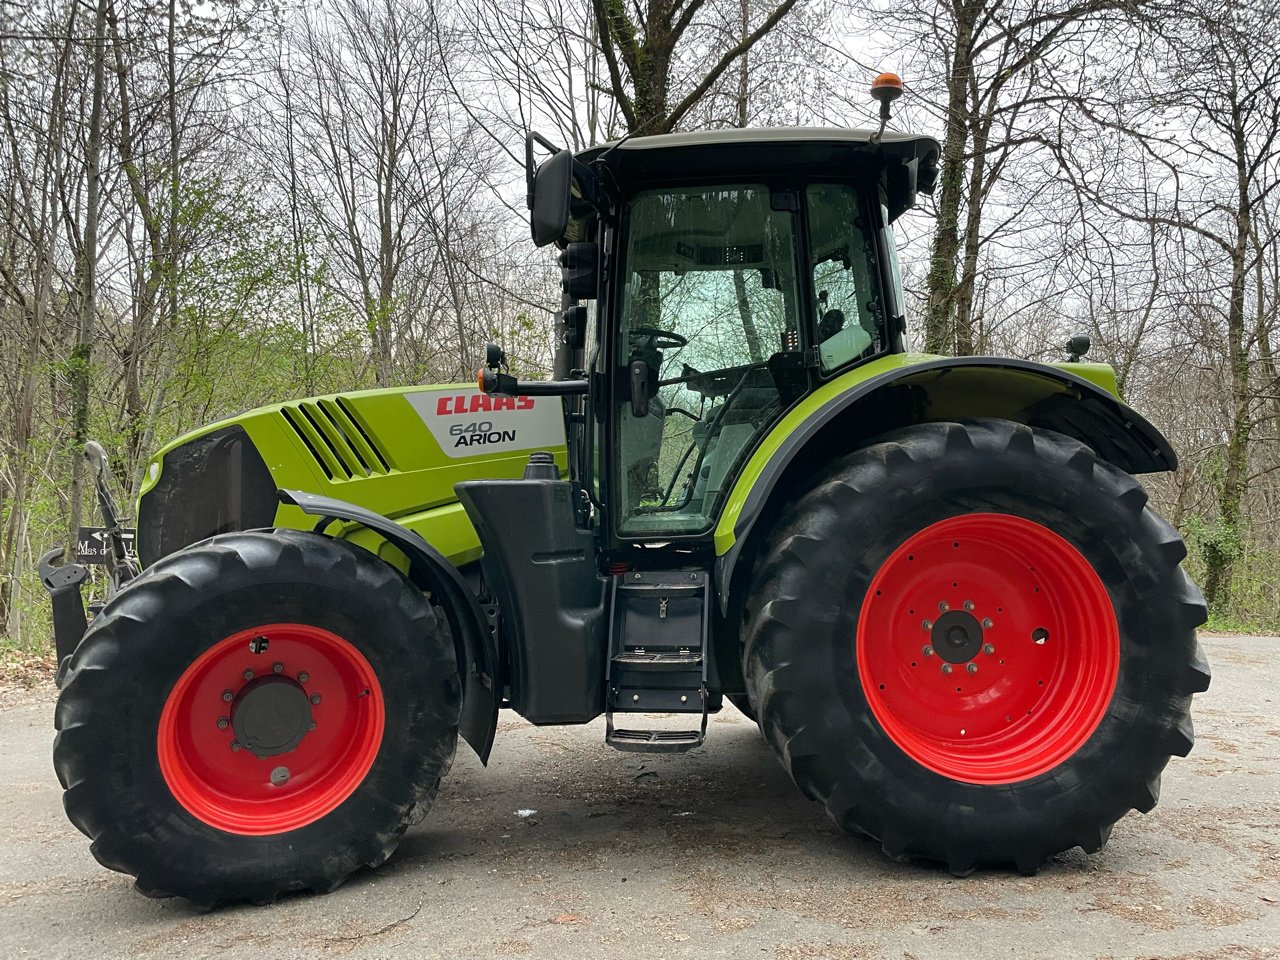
(504, 385)
(590, 187)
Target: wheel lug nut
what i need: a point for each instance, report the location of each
(972, 668)
(926, 625)
(944, 606)
(248, 674)
(315, 698)
(223, 723)
(277, 668)
(946, 668)
(235, 746)
(304, 677)
(228, 696)
(928, 651)
(313, 725)
(988, 623)
(988, 649)
(968, 605)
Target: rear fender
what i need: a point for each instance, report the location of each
(903, 390)
(428, 569)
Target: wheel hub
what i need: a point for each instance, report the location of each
(271, 715)
(957, 636)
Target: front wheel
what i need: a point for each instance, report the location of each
(256, 714)
(974, 643)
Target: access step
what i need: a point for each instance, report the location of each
(660, 661)
(654, 741)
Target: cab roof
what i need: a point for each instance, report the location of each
(903, 162)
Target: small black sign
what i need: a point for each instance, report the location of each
(93, 544)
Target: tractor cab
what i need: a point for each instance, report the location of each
(726, 274)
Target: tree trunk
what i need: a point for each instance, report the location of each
(1222, 551)
(79, 369)
(965, 341)
(939, 333)
(748, 321)
(150, 265)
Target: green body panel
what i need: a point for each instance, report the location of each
(1006, 393)
(1099, 374)
(412, 476)
(413, 479)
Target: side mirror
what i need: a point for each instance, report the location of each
(1078, 346)
(901, 183)
(549, 203)
(927, 173)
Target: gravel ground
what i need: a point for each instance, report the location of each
(707, 854)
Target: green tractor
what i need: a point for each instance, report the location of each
(933, 582)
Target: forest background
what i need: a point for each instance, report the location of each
(209, 207)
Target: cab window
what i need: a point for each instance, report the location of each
(850, 314)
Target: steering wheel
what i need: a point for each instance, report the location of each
(660, 339)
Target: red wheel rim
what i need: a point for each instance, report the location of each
(327, 699)
(1017, 687)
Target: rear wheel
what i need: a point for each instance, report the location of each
(973, 642)
(257, 714)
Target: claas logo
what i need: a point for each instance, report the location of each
(480, 403)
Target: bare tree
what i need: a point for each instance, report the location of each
(996, 70)
(642, 49)
(82, 352)
(1211, 123)
(33, 167)
(382, 163)
(539, 66)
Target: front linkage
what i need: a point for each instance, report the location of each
(65, 580)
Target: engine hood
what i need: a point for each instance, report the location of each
(398, 452)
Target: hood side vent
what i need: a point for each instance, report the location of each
(344, 417)
(335, 439)
(306, 431)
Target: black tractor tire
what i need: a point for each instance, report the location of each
(380, 705)
(851, 532)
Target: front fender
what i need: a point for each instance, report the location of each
(429, 570)
(901, 390)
